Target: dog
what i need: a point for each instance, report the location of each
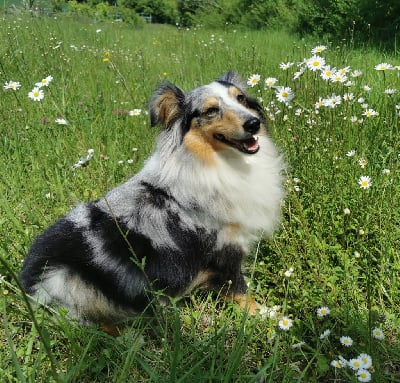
(186, 220)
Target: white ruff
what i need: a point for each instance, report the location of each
(240, 189)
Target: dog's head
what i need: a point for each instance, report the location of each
(212, 118)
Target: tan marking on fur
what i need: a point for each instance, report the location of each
(197, 143)
(200, 281)
(233, 229)
(246, 302)
(168, 107)
(210, 102)
(234, 92)
(201, 140)
(111, 330)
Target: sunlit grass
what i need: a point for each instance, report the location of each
(337, 250)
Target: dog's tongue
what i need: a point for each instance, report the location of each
(251, 145)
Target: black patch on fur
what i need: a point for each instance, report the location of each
(63, 245)
(253, 104)
(156, 196)
(225, 83)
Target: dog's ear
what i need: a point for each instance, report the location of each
(234, 79)
(166, 105)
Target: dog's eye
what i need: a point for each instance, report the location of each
(212, 112)
(241, 98)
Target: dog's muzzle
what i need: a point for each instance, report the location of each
(248, 144)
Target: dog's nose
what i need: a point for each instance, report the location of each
(252, 125)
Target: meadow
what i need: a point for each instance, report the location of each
(74, 124)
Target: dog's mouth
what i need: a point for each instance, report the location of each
(249, 145)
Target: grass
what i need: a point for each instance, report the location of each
(349, 263)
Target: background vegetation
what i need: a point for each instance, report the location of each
(366, 20)
(337, 246)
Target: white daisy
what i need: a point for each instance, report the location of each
(13, 85)
(366, 361)
(365, 182)
(270, 81)
(346, 341)
(338, 77)
(284, 94)
(362, 162)
(285, 323)
(370, 113)
(253, 80)
(355, 363)
(289, 272)
(348, 97)
(36, 94)
(318, 49)
(377, 333)
(323, 311)
(353, 119)
(363, 375)
(327, 72)
(319, 103)
(135, 112)
(344, 70)
(297, 75)
(315, 63)
(61, 121)
(45, 82)
(286, 66)
(337, 364)
(325, 334)
(356, 73)
(390, 91)
(383, 66)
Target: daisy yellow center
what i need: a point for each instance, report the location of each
(328, 73)
(363, 375)
(365, 184)
(36, 94)
(316, 63)
(285, 322)
(254, 81)
(285, 94)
